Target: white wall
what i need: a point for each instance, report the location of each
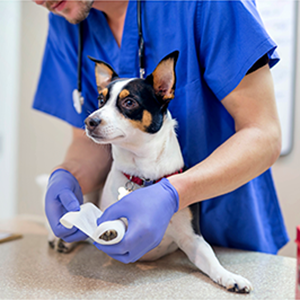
(43, 140)
(9, 105)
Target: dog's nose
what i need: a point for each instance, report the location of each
(92, 123)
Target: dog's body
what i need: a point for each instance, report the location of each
(134, 119)
(149, 161)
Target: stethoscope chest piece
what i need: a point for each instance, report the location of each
(77, 101)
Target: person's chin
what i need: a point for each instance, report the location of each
(74, 11)
(74, 17)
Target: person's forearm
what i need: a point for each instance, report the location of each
(87, 161)
(244, 156)
(249, 152)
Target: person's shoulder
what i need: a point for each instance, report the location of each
(228, 2)
(226, 11)
(211, 4)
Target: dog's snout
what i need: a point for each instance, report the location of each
(92, 123)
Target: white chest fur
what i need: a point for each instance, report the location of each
(152, 157)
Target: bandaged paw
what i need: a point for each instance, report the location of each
(107, 233)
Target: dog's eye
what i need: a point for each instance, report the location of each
(101, 100)
(129, 103)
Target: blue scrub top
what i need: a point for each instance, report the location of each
(218, 42)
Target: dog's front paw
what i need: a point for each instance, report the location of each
(61, 246)
(109, 235)
(233, 282)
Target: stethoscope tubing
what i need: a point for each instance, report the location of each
(141, 40)
(79, 63)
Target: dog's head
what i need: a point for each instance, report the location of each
(129, 107)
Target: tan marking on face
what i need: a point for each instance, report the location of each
(170, 96)
(124, 93)
(147, 118)
(144, 123)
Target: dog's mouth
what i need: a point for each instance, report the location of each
(99, 139)
(106, 134)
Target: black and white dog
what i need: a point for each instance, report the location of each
(133, 117)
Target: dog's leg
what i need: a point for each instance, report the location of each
(201, 254)
(166, 246)
(60, 245)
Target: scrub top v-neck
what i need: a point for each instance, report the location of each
(122, 58)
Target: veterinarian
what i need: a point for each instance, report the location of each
(224, 103)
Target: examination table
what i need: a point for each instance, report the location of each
(29, 269)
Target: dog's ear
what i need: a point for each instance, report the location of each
(104, 73)
(163, 78)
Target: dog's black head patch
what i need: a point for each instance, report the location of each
(137, 101)
(143, 101)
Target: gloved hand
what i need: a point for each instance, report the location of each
(63, 195)
(148, 211)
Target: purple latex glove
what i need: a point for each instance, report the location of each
(63, 195)
(148, 211)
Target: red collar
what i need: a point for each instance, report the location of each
(146, 182)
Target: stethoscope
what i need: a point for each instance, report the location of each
(78, 99)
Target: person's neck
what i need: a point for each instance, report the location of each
(115, 12)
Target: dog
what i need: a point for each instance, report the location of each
(133, 117)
